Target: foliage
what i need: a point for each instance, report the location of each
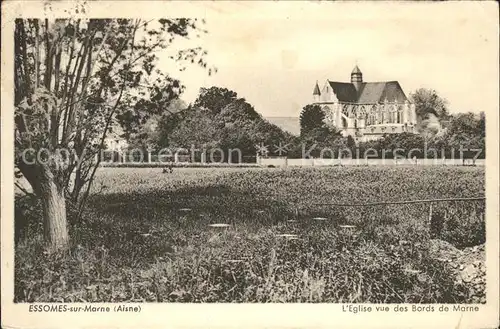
(166, 123)
(463, 131)
(73, 78)
(311, 117)
(405, 145)
(147, 134)
(219, 120)
(27, 215)
(215, 98)
(427, 102)
(468, 124)
(238, 113)
(351, 143)
(194, 127)
(138, 244)
(320, 138)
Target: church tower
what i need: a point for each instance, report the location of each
(356, 77)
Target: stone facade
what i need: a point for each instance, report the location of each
(366, 111)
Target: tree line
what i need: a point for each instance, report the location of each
(219, 118)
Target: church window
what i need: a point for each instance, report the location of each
(372, 119)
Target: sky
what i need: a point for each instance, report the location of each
(272, 54)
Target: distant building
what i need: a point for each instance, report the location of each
(365, 110)
(113, 140)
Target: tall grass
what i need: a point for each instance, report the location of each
(138, 242)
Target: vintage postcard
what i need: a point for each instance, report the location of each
(272, 164)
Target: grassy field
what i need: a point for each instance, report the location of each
(146, 237)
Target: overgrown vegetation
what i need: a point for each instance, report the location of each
(146, 237)
(73, 79)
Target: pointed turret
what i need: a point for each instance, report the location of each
(316, 92)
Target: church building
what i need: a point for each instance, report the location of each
(365, 110)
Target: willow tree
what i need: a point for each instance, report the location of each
(73, 78)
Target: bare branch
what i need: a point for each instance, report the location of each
(103, 138)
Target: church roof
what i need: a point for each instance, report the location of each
(369, 92)
(393, 92)
(345, 92)
(356, 70)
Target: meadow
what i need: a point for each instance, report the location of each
(148, 236)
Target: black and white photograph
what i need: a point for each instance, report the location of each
(326, 153)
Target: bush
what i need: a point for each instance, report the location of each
(27, 216)
(464, 229)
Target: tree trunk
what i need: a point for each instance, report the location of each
(54, 213)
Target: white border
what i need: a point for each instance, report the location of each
(222, 315)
